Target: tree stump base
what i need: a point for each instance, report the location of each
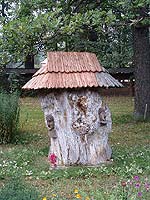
(78, 126)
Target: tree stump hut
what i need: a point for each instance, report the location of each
(77, 119)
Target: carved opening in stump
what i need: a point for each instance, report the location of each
(51, 126)
(102, 115)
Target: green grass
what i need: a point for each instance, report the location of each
(28, 158)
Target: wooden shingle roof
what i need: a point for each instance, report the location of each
(71, 70)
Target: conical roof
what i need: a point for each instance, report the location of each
(71, 70)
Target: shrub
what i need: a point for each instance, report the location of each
(17, 190)
(14, 82)
(9, 116)
(4, 83)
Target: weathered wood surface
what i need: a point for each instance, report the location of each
(78, 125)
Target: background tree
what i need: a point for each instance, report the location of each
(142, 64)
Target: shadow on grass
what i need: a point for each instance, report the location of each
(123, 119)
(25, 138)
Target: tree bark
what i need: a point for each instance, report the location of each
(78, 125)
(29, 62)
(142, 72)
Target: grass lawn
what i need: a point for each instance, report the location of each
(131, 157)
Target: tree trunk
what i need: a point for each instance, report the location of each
(29, 62)
(142, 72)
(78, 125)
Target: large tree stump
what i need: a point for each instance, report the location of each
(78, 125)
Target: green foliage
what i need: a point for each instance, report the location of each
(36, 26)
(9, 116)
(15, 82)
(113, 45)
(4, 84)
(16, 190)
(11, 83)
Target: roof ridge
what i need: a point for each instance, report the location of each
(64, 72)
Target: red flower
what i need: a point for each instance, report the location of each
(123, 183)
(53, 159)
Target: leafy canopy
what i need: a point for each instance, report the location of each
(31, 26)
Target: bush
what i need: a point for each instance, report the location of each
(14, 82)
(9, 116)
(4, 83)
(17, 190)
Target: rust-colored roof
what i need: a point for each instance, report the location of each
(71, 70)
(70, 62)
(62, 80)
